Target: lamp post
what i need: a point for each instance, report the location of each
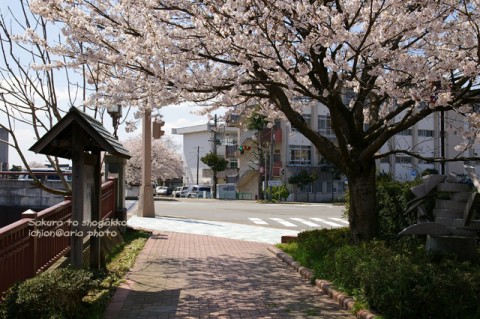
(115, 111)
(115, 167)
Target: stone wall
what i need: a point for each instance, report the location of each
(17, 196)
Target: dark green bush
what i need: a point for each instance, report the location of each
(316, 248)
(399, 280)
(394, 276)
(55, 294)
(392, 198)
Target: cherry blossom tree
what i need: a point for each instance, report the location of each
(405, 60)
(166, 162)
(32, 95)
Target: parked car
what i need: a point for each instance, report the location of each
(198, 192)
(162, 190)
(154, 190)
(178, 190)
(169, 191)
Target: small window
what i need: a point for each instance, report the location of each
(403, 159)
(406, 132)
(425, 133)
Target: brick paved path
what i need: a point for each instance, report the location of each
(193, 276)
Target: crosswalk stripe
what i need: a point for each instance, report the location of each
(343, 221)
(327, 222)
(283, 222)
(258, 221)
(306, 222)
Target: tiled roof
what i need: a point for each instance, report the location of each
(59, 140)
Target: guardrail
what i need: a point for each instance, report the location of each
(31, 245)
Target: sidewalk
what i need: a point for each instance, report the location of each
(211, 228)
(180, 275)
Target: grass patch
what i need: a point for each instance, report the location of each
(395, 279)
(73, 293)
(119, 261)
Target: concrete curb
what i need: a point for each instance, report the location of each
(344, 301)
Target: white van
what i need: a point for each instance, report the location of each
(177, 192)
(197, 191)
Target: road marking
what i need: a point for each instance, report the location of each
(283, 222)
(343, 221)
(314, 205)
(258, 221)
(306, 222)
(327, 222)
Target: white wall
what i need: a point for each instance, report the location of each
(195, 146)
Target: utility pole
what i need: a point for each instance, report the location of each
(198, 161)
(214, 190)
(215, 135)
(270, 169)
(442, 141)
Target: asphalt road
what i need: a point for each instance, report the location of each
(294, 216)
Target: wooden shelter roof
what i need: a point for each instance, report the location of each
(58, 141)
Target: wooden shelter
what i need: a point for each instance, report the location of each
(81, 138)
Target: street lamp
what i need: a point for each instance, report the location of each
(115, 112)
(157, 125)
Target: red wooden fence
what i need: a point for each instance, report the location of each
(38, 240)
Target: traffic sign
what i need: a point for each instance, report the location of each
(275, 183)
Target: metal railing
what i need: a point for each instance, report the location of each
(34, 243)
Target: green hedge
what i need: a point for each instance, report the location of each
(393, 276)
(398, 280)
(55, 294)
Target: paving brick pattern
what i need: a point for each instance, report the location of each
(193, 276)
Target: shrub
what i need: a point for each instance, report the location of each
(55, 294)
(316, 248)
(399, 279)
(279, 192)
(392, 198)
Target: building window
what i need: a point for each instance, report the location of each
(385, 159)
(422, 161)
(406, 132)
(233, 164)
(325, 125)
(300, 154)
(403, 159)
(425, 133)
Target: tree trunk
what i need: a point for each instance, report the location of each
(363, 215)
(214, 186)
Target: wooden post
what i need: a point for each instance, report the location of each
(78, 196)
(34, 240)
(95, 251)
